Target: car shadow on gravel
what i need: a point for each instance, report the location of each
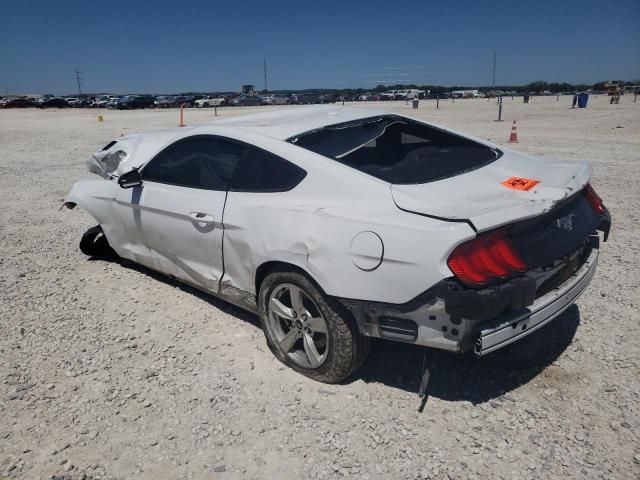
(220, 304)
(456, 377)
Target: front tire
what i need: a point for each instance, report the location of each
(94, 243)
(307, 331)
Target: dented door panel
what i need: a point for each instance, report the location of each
(178, 229)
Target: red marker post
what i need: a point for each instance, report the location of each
(181, 124)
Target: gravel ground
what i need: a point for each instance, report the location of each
(111, 371)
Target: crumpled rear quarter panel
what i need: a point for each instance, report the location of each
(295, 228)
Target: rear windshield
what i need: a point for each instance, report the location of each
(397, 150)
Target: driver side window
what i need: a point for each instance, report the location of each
(201, 161)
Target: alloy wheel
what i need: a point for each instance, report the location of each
(297, 326)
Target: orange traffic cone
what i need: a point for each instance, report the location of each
(513, 138)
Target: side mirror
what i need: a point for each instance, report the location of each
(130, 179)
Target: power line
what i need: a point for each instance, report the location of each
(494, 69)
(265, 74)
(79, 79)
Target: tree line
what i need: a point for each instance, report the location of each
(538, 86)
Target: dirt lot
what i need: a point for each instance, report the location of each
(111, 371)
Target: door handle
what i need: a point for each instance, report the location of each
(202, 217)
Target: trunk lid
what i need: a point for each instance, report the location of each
(480, 196)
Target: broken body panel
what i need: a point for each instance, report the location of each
(380, 248)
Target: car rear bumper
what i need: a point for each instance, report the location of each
(446, 321)
(508, 328)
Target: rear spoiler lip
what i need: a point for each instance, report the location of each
(604, 226)
(443, 219)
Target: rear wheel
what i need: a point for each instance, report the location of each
(94, 243)
(307, 331)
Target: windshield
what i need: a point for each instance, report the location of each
(398, 150)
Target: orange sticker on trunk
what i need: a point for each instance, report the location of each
(520, 183)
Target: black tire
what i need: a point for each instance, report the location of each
(348, 349)
(94, 243)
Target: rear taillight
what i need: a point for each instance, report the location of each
(483, 259)
(594, 200)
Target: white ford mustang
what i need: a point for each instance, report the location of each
(338, 224)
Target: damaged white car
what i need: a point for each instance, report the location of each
(339, 224)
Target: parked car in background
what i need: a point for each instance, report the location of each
(209, 102)
(113, 103)
(102, 101)
(282, 100)
(164, 101)
(348, 97)
(19, 102)
(173, 101)
(187, 101)
(129, 102)
(71, 101)
(229, 97)
(328, 98)
(247, 101)
(84, 102)
(53, 102)
(308, 98)
(275, 99)
(35, 98)
(429, 237)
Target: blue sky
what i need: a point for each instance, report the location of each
(168, 46)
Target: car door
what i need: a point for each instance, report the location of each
(257, 211)
(176, 216)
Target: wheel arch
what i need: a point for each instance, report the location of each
(93, 196)
(272, 266)
(96, 197)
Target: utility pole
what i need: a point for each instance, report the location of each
(79, 79)
(265, 74)
(494, 69)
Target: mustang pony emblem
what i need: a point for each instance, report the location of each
(565, 222)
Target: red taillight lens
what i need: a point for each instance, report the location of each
(594, 200)
(462, 267)
(507, 255)
(487, 257)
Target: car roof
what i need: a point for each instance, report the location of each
(282, 124)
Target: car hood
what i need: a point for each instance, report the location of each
(481, 197)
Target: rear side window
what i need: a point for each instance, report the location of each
(261, 171)
(201, 161)
(398, 150)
